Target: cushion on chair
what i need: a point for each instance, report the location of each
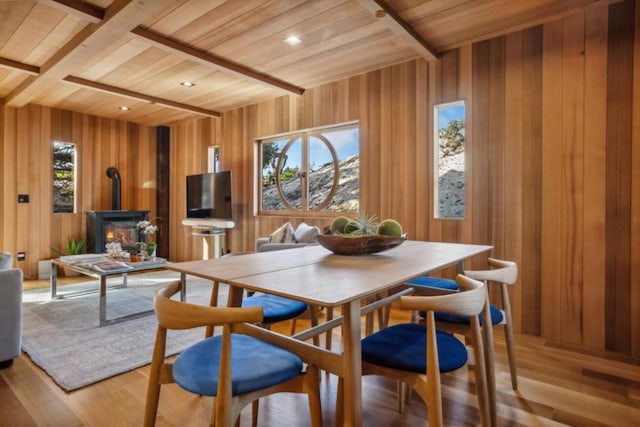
(255, 365)
(305, 233)
(275, 308)
(434, 282)
(496, 317)
(284, 234)
(404, 346)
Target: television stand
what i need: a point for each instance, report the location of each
(207, 227)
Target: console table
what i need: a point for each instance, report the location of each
(82, 265)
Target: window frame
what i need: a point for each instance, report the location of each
(304, 137)
(75, 159)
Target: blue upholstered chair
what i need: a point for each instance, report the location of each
(416, 354)
(275, 308)
(234, 369)
(504, 273)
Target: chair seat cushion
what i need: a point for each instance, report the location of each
(434, 282)
(404, 347)
(496, 317)
(275, 308)
(255, 365)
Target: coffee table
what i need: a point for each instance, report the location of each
(82, 264)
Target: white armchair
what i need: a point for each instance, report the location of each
(10, 314)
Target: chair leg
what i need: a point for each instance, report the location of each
(340, 403)
(508, 332)
(313, 393)
(314, 322)
(329, 333)
(255, 406)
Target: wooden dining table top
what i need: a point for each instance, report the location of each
(314, 275)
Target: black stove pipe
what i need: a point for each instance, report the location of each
(115, 188)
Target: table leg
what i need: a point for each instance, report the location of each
(103, 300)
(352, 364)
(54, 280)
(183, 287)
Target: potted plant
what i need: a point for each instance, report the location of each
(74, 247)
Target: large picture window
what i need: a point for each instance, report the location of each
(64, 177)
(311, 171)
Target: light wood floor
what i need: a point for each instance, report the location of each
(556, 387)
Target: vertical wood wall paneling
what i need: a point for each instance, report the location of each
(552, 267)
(571, 184)
(513, 166)
(465, 91)
(496, 144)
(618, 215)
(595, 134)
(530, 263)
(635, 194)
(423, 153)
(479, 157)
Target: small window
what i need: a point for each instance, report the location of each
(449, 137)
(64, 177)
(312, 171)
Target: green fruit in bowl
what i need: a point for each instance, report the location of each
(351, 227)
(338, 224)
(390, 227)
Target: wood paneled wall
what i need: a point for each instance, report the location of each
(552, 164)
(26, 148)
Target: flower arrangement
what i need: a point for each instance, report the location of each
(146, 231)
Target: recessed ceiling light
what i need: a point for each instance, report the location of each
(187, 84)
(293, 40)
(124, 108)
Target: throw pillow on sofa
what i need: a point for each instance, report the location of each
(284, 234)
(305, 233)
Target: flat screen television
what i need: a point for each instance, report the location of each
(209, 196)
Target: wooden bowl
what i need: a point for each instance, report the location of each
(359, 245)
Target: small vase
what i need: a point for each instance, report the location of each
(151, 249)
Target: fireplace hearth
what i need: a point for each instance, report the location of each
(113, 226)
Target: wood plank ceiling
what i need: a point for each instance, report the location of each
(96, 56)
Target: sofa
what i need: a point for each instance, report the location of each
(10, 311)
(285, 237)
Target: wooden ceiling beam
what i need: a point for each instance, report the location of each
(86, 11)
(119, 18)
(208, 59)
(19, 66)
(139, 96)
(401, 28)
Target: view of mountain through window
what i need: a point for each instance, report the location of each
(315, 170)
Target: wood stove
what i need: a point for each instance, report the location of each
(113, 226)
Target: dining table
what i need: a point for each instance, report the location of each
(317, 276)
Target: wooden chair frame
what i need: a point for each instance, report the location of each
(470, 302)
(226, 408)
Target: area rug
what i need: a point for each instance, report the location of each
(62, 336)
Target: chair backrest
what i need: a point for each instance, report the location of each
(469, 302)
(502, 272)
(174, 314)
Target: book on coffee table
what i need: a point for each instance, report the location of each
(110, 266)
